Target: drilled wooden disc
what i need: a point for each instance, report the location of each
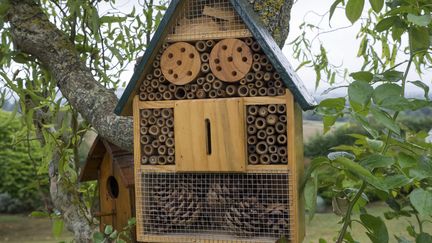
(230, 60)
(180, 63)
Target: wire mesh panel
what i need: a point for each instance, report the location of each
(211, 19)
(215, 206)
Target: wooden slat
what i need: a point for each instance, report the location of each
(158, 168)
(265, 100)
(226, 151)
(155, 104)
(210, 36)
(194, 238)
(277, 169)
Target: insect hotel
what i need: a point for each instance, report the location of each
(218, 149)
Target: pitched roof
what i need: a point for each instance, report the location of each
(122, 161)
(259, 32)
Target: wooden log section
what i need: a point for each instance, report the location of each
(230, 60)
(180, 63)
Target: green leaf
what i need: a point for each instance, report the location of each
(360, 93)
(57, 227)
(392, 75)
(108, 229)
(111, 19)
(395, 181)
(385, 91)
(376, 161)
(113, 235)
(39, 214)
(361, 172)
(423, 238)
(310, 194)
(354, 9)
(377, 5)
(362, 76)
(4, 7)
(423, 20)
(418, 39)
(385, 24)
(331, 106)
(397, 103)
(384, 119)
(377, 230)
(406, 161)
(365, 124)
(333, 8)
(421, 201)
(98, 237)
(423, 86)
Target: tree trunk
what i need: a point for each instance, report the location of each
(33, 34)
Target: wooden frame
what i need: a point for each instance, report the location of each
(294, 166)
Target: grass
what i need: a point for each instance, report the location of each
(21, 228)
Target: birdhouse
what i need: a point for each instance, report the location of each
(113, 168)
(217, 111)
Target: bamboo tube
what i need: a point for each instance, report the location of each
(159, 96)
(251, 130)
(252, 140)
(271, 119)
(187, 87)
(271, 91)
(145, 139)
(170, 122)
(204, 57)
(149, 76)
(271, 140)
(162, 88)
(264, 159)
(151, 120)
(210, 43)
(154, 130)
(251, 149)
(264, 60)
(243, 81)
(144, 122)
(262, 111)
(283, 160)
(260, 123)
(280, 127)
(262, 91)
(270, 84)
(217, 84)
(256, 57)
(252, 110)
(156, 112)
(249, 41)
(205, 68)
(155, 144)
(207, 87)
(162, 150)
(151, 97)
(144, 160)
(167, 95)
(146, 113)
(156, 64)
(160, 122)
(200, 46)
(153, 160)
(281, 109)
(268, 67)
(171, 151)
(276, 76)
(256, 66)
(259, 83)
(157, 72)
(201, 80)
(190, 95)
(278, 84)
(166, 113)
(143, 96)
(170, 159)
(171, 134)
(162, 79)
(172, 87)
(274, 158)
(180, 93)
(283, 118)
(221, 93)
(280, 91)
(210, 77)
(267, 76)
(282, 139)
(142, 87)
(162, 138)
(261, 134)
(273, 149)
(282, 151)
(231, 90)
(272, 109)
(144, 130)
(250, 77)
(250, 119)
(158, 57)
(165, 130)
(251, 85)
(146, 83)
(243, 90)
(253, 159)
(169, 142)
(148, 150)
(201, 94)
(255, 47)
(165, 46)
(161, 160)
(212, 93)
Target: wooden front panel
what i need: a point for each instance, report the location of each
(210, 135)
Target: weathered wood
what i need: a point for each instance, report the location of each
(219, 13)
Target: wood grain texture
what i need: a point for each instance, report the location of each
(219, 13)
(227, 136)
(180, 63)
(230, 60)
(107, 206)
(210, 36)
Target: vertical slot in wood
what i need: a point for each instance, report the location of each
(208, 136)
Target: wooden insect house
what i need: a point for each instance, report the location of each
(218, 148)
(113, 168)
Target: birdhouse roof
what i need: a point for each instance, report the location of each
(258, 31)
(122, 161)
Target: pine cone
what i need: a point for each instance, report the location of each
(245, 218)
(277, 219)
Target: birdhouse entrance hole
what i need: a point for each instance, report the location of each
(113, 187)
